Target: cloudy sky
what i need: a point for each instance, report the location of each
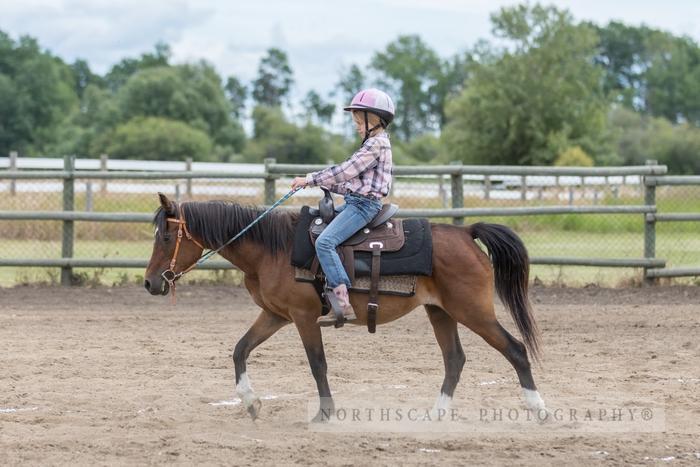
(320, 36)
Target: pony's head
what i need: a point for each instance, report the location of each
(174, 249)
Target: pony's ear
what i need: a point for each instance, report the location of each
(166, 204)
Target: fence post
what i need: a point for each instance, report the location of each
(188, 167)
(269, 182)
(89, 202)
(649, 223)
(523, 188)
(103, 168)
(457, 192)
(68, 226)
(487, 187)
(13, 166)
(441, 191)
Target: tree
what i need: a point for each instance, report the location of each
(673, 79)
(574, 156)
(237, 93)
(622, 52)
(651, 71)
(408, 70)
(36, 95)
(274, 136)
(274, 81)
(350, 83)
(453, 74)
(155, 138)
(317, 109)
(84, 77)
(541, 95)
(188, 93)
(638, 138)
(423, 149)
(122, 71)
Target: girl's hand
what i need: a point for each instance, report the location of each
(298, 182)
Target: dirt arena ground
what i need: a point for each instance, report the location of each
(115, 376)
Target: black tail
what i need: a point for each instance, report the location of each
(511, 269)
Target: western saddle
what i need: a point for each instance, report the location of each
(381, 234)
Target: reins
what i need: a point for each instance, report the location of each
(170, 276)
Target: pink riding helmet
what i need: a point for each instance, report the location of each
(374, 101)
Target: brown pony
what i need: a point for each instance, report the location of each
(460, 290)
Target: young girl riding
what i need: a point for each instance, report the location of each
(364, 179)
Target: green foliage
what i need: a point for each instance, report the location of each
(622, 54)
(156, 138)
(424, 149)
(84, 77)
(451, 80)
(673, 79)
(189, 93)
(36, 94)
(351, 82)
(639, 138)
(122, 71)
(274, 81)
(237, 93)
(574, 157)
(317, 109)
(543, 87)
(651, 71)
(409, 70)
(275, 137)
(539, 96)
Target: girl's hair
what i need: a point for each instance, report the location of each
(372, 119)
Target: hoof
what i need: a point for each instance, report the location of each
(254, 408)
(543, 416)
(323, 416)
(325, 412)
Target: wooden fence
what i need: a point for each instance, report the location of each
(653, 176)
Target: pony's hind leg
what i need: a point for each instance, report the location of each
(265, 326)
(514, 351)
(445, 329)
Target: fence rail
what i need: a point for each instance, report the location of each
(653, 177)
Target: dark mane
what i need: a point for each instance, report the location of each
(216, 222)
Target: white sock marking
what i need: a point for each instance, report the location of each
(443, 402)
(441, 408)
(533, 401)
(245, 390)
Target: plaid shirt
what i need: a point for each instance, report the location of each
(366, 172)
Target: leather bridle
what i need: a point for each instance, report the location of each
(169, 275)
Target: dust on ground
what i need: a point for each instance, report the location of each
(116, 376)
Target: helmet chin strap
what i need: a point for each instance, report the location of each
(369, 130)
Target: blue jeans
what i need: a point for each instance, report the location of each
(352, 216)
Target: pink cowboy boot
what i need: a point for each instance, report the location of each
(339, 300)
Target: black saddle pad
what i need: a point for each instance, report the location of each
(415, 258)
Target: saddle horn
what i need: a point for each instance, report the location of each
(326, 208)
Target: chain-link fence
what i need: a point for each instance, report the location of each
(559, 236)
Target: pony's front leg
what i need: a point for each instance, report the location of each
(311, 337)
(265, 326)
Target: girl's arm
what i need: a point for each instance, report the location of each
(363, 159)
